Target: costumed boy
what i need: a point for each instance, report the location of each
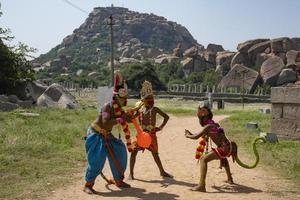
(147, 120)
(101, 144)
(213, 131)
(225, 148)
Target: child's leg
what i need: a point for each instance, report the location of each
(159, 164)
(227, 169)
(203, 170)
(132, 162)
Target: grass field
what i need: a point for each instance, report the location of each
(39, 154)
(282, 157)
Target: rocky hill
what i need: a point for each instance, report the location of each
(137, 36)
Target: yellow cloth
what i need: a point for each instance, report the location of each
(100, 130)
(148, 127)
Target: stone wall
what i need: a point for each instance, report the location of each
(286, 112)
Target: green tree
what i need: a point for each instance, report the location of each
(15, 69)
(170, 73)
(211, 78)
(195, 77)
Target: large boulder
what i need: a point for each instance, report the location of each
(240, 58)
(296, 44)
(198, 64)
(270, 70)
(245, 46)
(214, 48)
(166, 59)
(210, 57)
(279, 45)
(287, 76)
(36, 89)
(258, 48)
(57, 97)
(291, 57)
(223, 61)
(260, 59)
(191, 52)
(241, 75)
(178, 52)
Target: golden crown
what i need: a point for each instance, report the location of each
(146, 89)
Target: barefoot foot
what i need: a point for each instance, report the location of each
(122, 184)
(165, 174)
(130, 177)
(89, 190)
(229, 181)
(199, 188)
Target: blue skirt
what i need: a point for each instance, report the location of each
(96, 154)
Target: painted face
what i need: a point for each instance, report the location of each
(202, 115)
(149, 102)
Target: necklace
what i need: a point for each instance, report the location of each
(145, 112)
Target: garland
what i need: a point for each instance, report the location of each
(118, 113)
(200, 148)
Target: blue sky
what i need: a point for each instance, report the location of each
(44, 23)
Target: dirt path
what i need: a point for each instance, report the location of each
(177, 155)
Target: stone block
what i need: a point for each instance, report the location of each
(285, 128)
(277, 94)
(285, 95)
(277, 111)
(291, 111)
(292, 95)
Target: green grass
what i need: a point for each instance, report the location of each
(37, 153)
(282, 157)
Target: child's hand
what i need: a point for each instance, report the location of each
(187, 133)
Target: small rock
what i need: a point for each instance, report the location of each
(29, 114)
(251, 125)
(270, 137)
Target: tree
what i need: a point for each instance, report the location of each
(211, 78)
(170, 72)
(15, 69)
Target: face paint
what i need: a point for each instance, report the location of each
(149, 102)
